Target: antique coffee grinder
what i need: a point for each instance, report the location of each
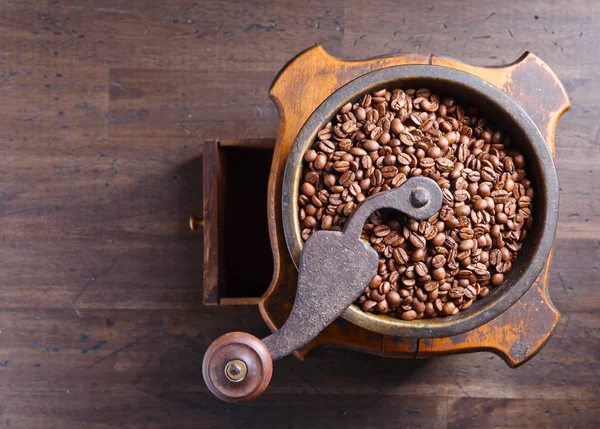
(310, 303)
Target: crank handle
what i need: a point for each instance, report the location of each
(333, 271)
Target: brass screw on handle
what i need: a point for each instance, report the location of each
(196, 222)
(236, 370)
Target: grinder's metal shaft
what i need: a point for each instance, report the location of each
(335, 267)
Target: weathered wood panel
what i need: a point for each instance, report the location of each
(83, 262)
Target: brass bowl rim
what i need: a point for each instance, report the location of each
(463, 321)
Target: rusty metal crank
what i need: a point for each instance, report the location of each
(335, 267)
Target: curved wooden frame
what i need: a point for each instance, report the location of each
(516, 335)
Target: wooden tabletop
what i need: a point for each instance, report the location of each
(104, 107)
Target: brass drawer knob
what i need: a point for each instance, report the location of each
(195, 222)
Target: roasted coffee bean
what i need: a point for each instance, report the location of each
(384, 288)
(335, 199)
(376, 132)
(324, 134)
(407, 139)
(309, 222)
(393, 299)
(439, 239)
(341, 166)
(445, 287)
(474, 176)
(370, 145)
(303, 200)
(392, 239)
(326, 146)
(466, 233)
(449, 308)
(444, 164)
(421, 269)
(448, 197)
(497, 279)
(500, 196)
(349, 126)
(382, 307)
(418, 255)
(400, 256)
(421, 294)
(307, 189)
(381, 230)
(417, 240)
(438, 261)
(329, 179)
(398, 180)
(389, 171)
(450, 243)
(408, 315)
(320, 162)
(404, 159)
(347, 178)
(354, 189)
(310, 155)
(369, 306)
(462, 211)
(408, 282)
(427, 162)
(456, 292)
(438, 273)
(431, 286)
(375, 282)
(418, 305)
(461, 183)
(376, 295)
(470, 292)
(466, 245)
(326, 222)
(461, 195)
(479, 204)
(430, 268)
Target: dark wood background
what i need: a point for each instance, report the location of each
(103, 109)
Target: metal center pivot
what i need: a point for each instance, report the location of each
(419, 197)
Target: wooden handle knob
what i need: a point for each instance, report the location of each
(237, 367)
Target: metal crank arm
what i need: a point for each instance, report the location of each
(335, 267)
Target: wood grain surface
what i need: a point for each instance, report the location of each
(104, 105)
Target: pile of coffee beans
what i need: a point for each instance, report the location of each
(430, 268)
